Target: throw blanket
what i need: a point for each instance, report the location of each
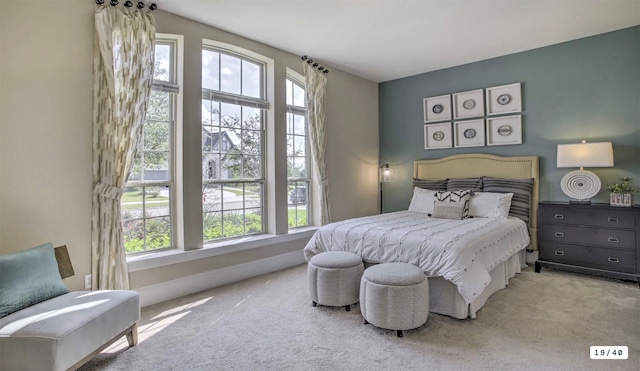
(461, 251)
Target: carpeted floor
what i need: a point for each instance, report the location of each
(543, 321)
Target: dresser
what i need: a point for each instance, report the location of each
(597, 239)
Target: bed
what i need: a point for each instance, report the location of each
(466, 260)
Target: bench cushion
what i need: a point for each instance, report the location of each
(59, 332)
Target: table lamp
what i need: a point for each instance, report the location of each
(581, 185)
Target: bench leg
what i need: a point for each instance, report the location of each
(132, 337)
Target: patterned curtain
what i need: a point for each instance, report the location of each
(122, 76)
(316, 83)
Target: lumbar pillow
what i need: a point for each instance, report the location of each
(460, 197)
(448, 210)
(490, 205)
(29, 277)
(422, 201)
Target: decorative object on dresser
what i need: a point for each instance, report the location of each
(622, 193)
(597, 239)
(581, 185)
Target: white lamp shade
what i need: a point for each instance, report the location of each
(599, 154)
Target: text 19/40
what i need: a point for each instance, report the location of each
(609, 352)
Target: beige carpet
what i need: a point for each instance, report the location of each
(543, 321)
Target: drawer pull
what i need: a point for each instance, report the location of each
(614, 239)
(561, 235)
(559, 216)
(612, 219)
(614, 260)
(562, 253)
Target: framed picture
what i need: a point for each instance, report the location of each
(437, 136)
(504, 99)
(504, 130)
(468, 133)
(468, 104)
(437, 108)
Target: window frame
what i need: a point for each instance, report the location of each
(222, 97)
(172, 88)
(292, 109)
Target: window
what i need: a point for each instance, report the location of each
(233, 123)
(147, 202)
(298, 156)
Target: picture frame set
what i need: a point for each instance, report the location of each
(463, 106)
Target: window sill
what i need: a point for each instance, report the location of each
(140, 262)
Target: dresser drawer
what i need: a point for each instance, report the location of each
(608, 218)
(618, 238)
(617, 260)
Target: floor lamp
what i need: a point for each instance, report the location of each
(385, 176)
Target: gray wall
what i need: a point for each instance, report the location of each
(583, 89)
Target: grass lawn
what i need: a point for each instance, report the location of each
(133, 200)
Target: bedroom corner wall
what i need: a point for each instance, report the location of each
(46, 76)
(583, 89)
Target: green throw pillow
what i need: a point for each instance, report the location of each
(29, 277)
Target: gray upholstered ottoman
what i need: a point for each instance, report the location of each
(394, 296)
(334, 278)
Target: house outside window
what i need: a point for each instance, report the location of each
(233, 126)
(298, 156)
(147, 203)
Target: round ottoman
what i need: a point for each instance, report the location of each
(334, 278)
(394, 296)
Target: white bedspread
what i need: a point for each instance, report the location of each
(461, 251)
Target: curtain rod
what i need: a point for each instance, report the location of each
(129, 4)
(315, 64)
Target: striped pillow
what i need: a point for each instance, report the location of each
(458, 184)
(434, 185)
(521, 189)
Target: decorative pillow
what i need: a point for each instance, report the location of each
(521, 189)
(461, 197)
(422, 201)
(457, 184)
(448, 210)
(29, 277)
(434, 185)
(490, 205)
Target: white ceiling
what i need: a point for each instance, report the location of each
(383, 40)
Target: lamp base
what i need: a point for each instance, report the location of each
(580, 185)
(580, 202)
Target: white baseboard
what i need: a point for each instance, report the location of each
(203, 281)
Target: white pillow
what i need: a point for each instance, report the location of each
(422, 201)
(490, 205)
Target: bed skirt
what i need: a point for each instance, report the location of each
(444, 297)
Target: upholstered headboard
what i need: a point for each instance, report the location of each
(479, 164)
